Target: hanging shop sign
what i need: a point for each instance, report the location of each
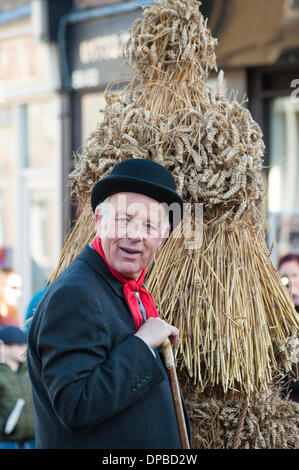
(91, 48)
(251, 34)
(94, 50)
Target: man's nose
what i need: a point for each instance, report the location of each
(135, 230)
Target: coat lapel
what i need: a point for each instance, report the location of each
(90, 256)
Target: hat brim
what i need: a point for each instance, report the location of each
(118, 184)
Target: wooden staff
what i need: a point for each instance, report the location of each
(174, 385)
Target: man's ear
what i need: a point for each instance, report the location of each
(98, 215)
(165, 234)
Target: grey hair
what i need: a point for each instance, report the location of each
(103, 206)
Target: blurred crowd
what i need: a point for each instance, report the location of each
(10, 292)
(16, 407)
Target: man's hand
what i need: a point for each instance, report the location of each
(154, 332)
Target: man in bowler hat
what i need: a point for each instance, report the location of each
(94, 358)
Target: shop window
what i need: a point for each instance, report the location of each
(92, 104)
(42, 242)
(40, 134)
(274, 105)
(7, 189)
(284, 174)
(38, 204)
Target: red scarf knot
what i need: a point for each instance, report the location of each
(132, 284)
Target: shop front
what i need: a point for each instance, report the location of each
(259, 52)
(90, 44)
(275, 102)
(31, 192)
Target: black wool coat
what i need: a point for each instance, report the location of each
(95, 384)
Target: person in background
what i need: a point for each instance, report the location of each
(32, 307)
(16, 406)
(288, 268)
(10, 292)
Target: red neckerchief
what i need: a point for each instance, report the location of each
(129, 286)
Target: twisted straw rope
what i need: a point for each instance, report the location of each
(240, 425)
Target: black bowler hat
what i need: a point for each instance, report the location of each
(142, 176)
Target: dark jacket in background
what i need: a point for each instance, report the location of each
(15, 385)
(95, 384)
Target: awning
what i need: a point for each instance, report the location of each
(254, 33)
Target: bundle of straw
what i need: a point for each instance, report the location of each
(268, 422)
(230, 306)
(236, 319)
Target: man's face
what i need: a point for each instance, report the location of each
(131, 229)
(290, 269)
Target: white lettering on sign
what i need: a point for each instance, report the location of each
(85, 78)
(102, 48)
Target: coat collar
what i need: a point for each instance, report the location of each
(90, 256)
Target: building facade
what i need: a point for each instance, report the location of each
(259, 53)
(31, 133)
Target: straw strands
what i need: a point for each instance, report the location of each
(214, 151)
(172, 39)
(211, 145)
(230, 306)
(82, 234)
(269, 422)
